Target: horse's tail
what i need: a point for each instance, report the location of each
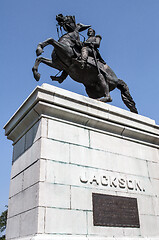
(126, 97)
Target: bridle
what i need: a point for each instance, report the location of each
(63, 23)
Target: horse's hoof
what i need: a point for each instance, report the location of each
(39, 51)
(109, 99)
(36, 76)
(105, 99)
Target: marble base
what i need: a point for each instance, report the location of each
(68, 237)
(66, 147)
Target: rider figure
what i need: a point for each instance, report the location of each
(92, 42)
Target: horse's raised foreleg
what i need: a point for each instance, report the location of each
(40, 46)
(47, 61)
(57, 45)
(62, 48)
(35, 69)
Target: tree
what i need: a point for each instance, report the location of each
(3, 222)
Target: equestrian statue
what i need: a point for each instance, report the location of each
(82, 62)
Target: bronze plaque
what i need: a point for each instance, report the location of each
(115, 211)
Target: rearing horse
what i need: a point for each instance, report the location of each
(65, 58)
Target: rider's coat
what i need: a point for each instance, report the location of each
(91, 42)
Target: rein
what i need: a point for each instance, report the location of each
(57, 27)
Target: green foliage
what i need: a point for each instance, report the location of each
(3, 237)
(3, 222)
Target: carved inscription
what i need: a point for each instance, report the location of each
(110, 181)
(115, 211)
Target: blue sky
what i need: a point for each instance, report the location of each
(130, 46)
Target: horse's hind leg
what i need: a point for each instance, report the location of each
(92, 92)
(47, 61)
(99, 90)
(104, 89)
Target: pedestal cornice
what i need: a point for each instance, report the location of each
(54, 102)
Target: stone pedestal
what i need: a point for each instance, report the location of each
(68, 148)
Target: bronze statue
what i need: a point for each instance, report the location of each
(82, 62)
(90, 45)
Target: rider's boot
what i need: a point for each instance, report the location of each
(61, 78)
(58, 79)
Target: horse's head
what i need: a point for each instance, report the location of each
(67, 22)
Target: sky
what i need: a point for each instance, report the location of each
(130, 46)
